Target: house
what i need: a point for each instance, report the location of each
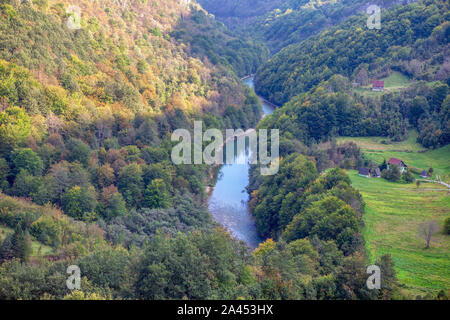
(364, 172)
(376, 173)
(402, 166)
(377, 85)
(424, 174)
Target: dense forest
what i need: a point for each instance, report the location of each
(89, 96)
(281, 23)
(333, 109)
(85, 121)
(85, 172)
(207, 37)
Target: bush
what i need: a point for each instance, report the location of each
(47, 230)
(77, 202)
(447, 226)
(408, 177)
(391, 174)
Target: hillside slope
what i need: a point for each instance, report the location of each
(417, 44)
(281, 23)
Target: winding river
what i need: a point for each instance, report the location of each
(229, 200)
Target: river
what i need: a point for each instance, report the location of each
(229, 200)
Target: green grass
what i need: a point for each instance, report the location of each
(412, 153)
(396, 80)
(393, 214)
(38, 249)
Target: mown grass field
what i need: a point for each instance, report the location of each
(412, 153)
(393, 214)
(396, 80)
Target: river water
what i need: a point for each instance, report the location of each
(229, 200)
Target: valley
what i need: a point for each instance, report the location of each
(97, 97)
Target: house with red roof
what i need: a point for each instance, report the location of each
(399, 163)
(377, 85)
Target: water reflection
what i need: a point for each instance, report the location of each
(229, 200)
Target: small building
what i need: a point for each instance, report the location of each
(376, 173)
(377, 85)
(424, 174)
(402, 166)
(364, 172)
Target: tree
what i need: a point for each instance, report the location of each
(77, 202)
(78, 151)
(131, 184)
(20, 244)
(105, 267)
(25, 185)
(15, 127)
(408, 177)
(4, 173)
(391, 174)
(27, 159)
(418, 107)
(389, 280)
(156, 195)
(105, 175)
(383, 166)
(6, 251)
(427, 230)
(112, 203)
(362, 77)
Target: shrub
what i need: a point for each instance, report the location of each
(408, 177)
(447, 226)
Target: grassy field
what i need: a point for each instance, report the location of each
(394, 212)
(395, 81)
(412, 153)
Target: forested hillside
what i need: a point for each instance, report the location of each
(86, 114)
(415, 44)
(207, 37)
(349, 56)
(90, 92)
(281, 23)
(87, 104)
(324, 85)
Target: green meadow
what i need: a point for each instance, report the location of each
(395, 81)
(412, 153)
(393, 214)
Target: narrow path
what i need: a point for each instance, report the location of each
(436, 181)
